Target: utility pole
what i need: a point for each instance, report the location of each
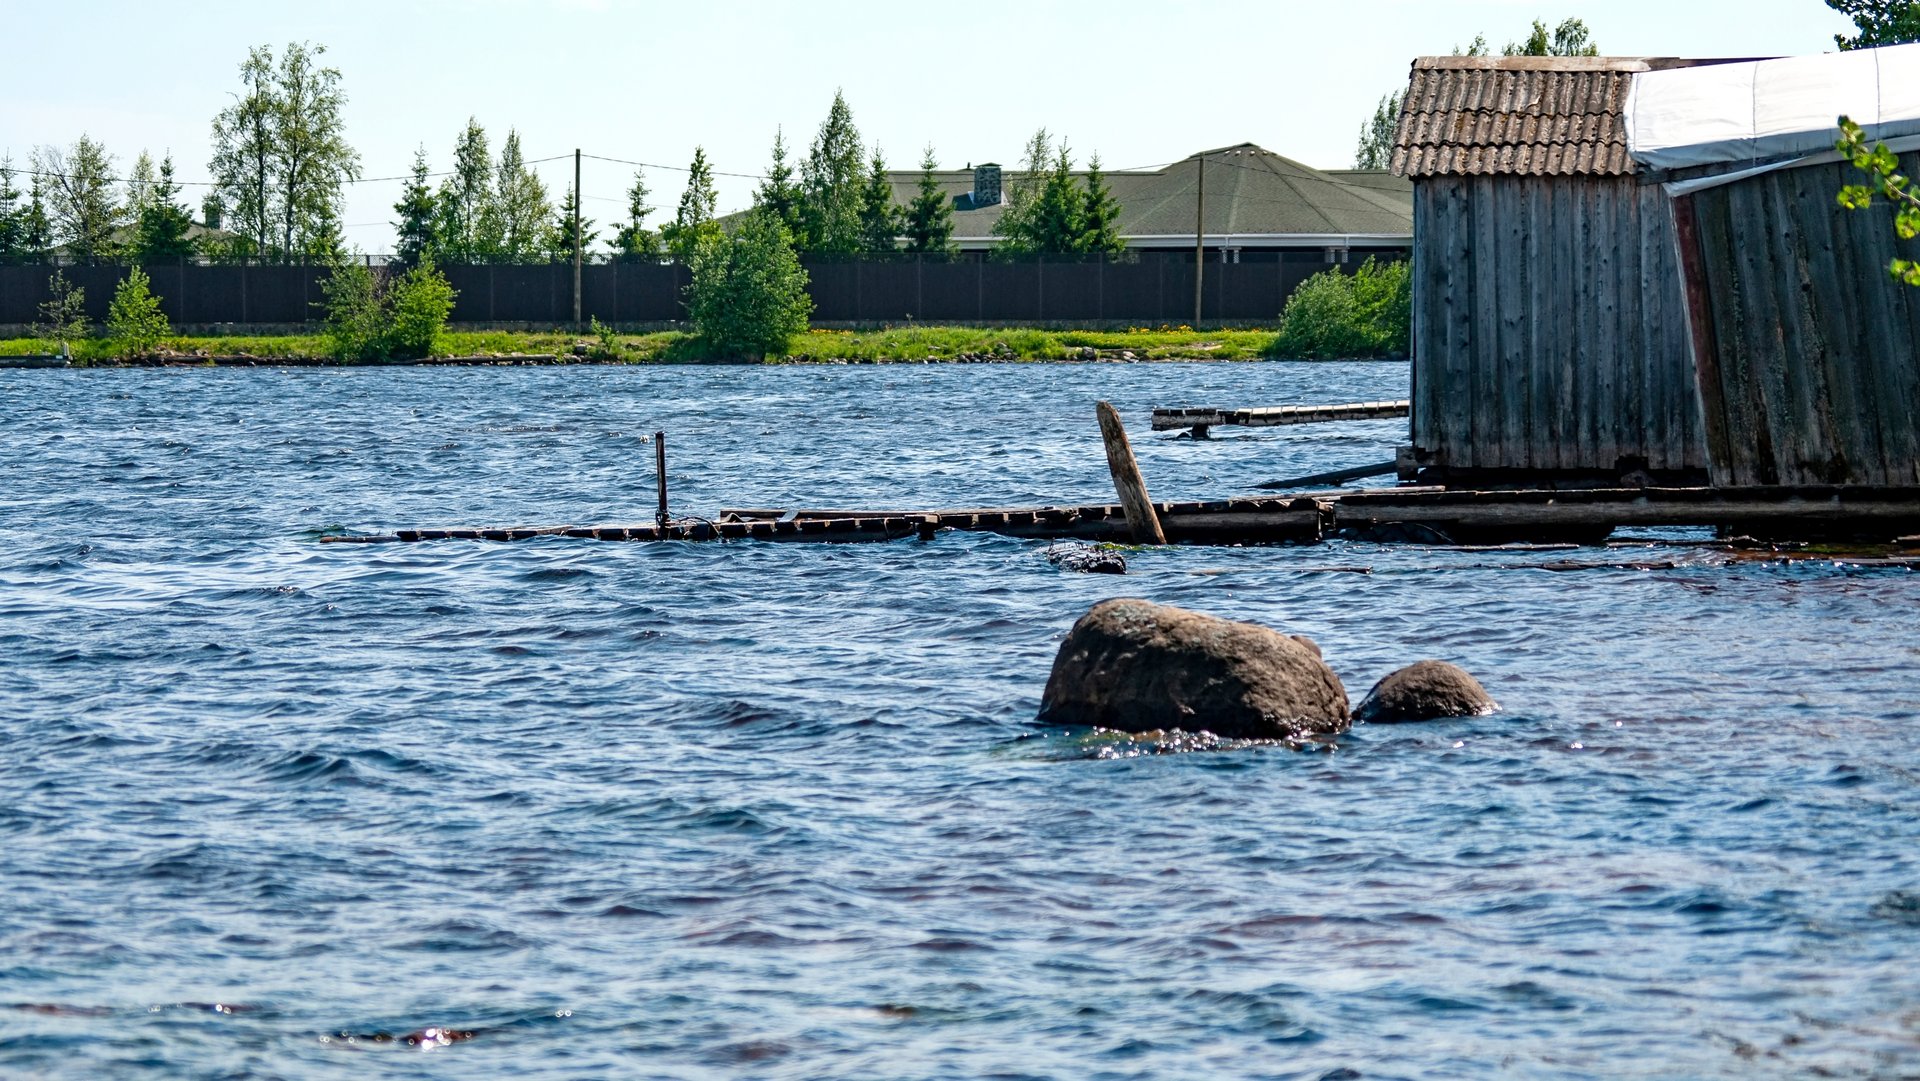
(576, 240)
(1199, 238)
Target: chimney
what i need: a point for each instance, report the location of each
(986, 184)
(210, 209)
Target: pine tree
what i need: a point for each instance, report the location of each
(633, 242)
(516, 218)
(464, 198)
(560, 233)
(697, 206)
(1880, 22)
(831, 180)
(780, 196)
(879, 218)
(1099, 215)
(415, 235)
(929, 217)
(13, 217)
(160, 235)
(1048, 211)
(37, 226)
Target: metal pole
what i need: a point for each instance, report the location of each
(1199, 238)
(660, 470)
(576, 240)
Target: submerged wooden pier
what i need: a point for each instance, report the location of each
(1199, 420)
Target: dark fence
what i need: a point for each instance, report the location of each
(1151, 289)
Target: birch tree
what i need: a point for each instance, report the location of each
(465, 196)
(518, 213)
(312, 161)
(79, 185)
(243, 154)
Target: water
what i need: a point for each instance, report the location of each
(778, 811)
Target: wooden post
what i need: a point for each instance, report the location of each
(576, 240)
(660, 470)
(1141, 519)
(1199, 238)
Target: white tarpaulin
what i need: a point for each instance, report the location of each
(1768, 109)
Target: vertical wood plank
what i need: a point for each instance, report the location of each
(1484, 356)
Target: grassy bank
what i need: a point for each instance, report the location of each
(892, 345)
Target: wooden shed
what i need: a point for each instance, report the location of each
(1807, 350)
(1550, 335)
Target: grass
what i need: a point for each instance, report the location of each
(890, 345)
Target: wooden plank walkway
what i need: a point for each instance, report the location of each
(1300, 519)
(1269, 416)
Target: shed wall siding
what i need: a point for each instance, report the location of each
(1550, 330)
(1817, 373)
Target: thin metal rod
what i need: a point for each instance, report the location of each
(660, 471)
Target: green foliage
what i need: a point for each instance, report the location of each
(1478, 48)
(1570, 38)
(417, 235)
(560, 232)
(517, 224)
(1882, 167)
(832, 183)
(160, 234)
(13, 218)
(376, 317)
(135, 323)
(749, 291)
(64, 317)
(633, 242)
(928, 220)
(1376, 135)
(465, 197)
(80, 198)
(1879, 22)
(609, 338)
(1335, 315)
(780, 196)
(1049, 211)
(880, 223)
(694, 223)
(281, 160)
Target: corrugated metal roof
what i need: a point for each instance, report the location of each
(1528, 116)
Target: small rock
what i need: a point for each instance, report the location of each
(1136, 666)
(1087, 559)
(1425, 691)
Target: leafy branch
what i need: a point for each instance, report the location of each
(1883, 177)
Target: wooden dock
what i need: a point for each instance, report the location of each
(1269, 416)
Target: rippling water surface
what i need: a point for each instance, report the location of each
(579, 809)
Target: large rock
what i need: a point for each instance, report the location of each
(1137, 666)
(1425, 691)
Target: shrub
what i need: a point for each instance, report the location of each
(1366, 314)
(380, 317)
(135, 323)
(64, 318)
(749, 292)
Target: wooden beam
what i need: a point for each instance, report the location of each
(1270, 416)
(1141, 519)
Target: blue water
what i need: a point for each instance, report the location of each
(778, 811)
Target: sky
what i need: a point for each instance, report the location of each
(1140, 83)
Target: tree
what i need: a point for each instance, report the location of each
(1883, 177)
(140, 180)
(749, 291)
(1047, 211)
(13, 218)
(376, 316)
(879, 218)
(1376, 135)
(465, 196)
(80, 201)
(1334, 315)
(516, 218)
(780, 196)
(135, 322)
(831, 182)
(560, 233)
(64, 317)
(1570, 38)
(928, 222)
(244, 154)
(1880, 22)
(695, 218)
(37, 225)
(313, 162)
(1100, 214)
(1478, 48)
(160, 234)
(633, 242)
(416, 237)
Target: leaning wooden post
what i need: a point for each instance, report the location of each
(1141, 519)
(660, 470)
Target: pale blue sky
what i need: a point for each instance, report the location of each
(1142, 83)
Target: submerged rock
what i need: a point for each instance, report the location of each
(1087, 559)
(1136, 666)
(1425, 691)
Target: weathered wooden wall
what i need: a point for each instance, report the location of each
(1550, 328)
(1810, 371)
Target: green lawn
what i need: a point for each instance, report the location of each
(901, 344)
